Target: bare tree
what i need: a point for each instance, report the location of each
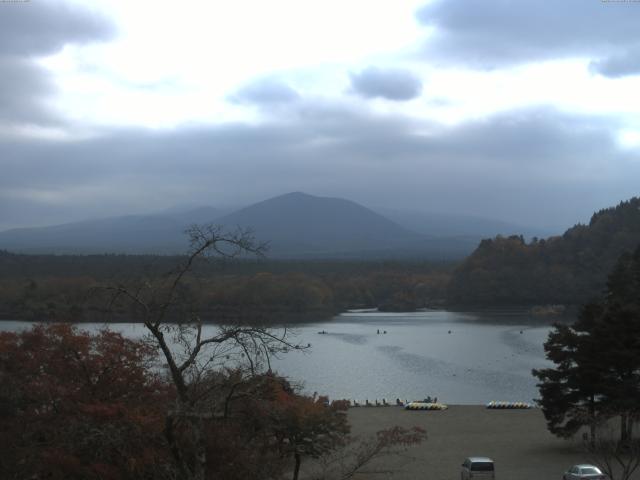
(618, 459)
(194, 352)
(361, 452)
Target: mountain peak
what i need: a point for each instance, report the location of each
(295, 195)
(299, 223)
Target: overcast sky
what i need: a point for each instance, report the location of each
(526, 111)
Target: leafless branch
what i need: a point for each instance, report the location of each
(619, 460)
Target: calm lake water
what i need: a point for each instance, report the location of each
(462, 358)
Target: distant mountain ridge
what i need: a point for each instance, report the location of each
(438, 224)
(127, 234)
(295, 225)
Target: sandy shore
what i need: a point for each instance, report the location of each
(517, 440)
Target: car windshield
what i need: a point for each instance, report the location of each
(590, 470)
(482, 467)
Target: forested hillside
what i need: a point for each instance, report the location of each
(62, 287)
(568, 269)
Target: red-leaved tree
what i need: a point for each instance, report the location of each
(75, 405)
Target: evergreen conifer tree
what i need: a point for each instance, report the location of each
(597, 358)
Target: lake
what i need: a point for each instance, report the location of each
(461, 358)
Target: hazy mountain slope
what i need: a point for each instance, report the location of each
(128, 234)
(441, 225)
(159, 233)
(199, 215)
(298, 224)
(571, 268)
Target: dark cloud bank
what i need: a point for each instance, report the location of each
(492, 33)
(536, 167)
(532, 167)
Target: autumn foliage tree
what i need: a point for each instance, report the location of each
(79, 406)
(306, 426)
(75, 405)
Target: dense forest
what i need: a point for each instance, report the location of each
(568, 269)
(67, 287)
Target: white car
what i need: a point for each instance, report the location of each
(584, 472)
(477, 467)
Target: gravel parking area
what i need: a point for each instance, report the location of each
(517, 440)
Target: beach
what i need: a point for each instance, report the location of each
(517, 441)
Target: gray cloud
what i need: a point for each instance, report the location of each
(537, 166)
(496, 32)
(23, 88)
(265, 92)
(392, 84)
(41, 28)
(29, 30)
(620, 65)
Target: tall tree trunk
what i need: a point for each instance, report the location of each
(200, 446)
(296, 469)
(193, 465)
(174, 447)
(624, 428)
(592, 413)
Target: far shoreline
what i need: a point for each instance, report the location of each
(288, 319)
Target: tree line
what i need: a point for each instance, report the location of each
(62, 288)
